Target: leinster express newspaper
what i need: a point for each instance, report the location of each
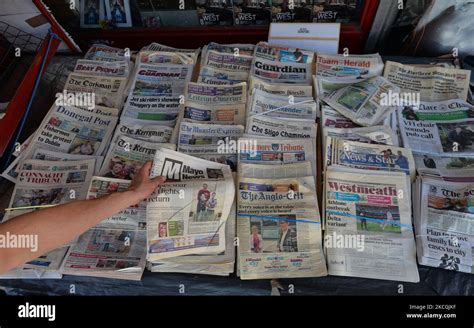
(278, 225)
(444, 226)
(188, 214)
(71, 130)
(371, 212)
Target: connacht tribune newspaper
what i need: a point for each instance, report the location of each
(368, 225)
(127, 155)
(445, 127)
(370, 156)
(108, 90)
(282, 106)
(67, 129)
(279, 227)
(187, 214)
(287, 128)
(114, 248)
(366, 103)
(444, 227)
(434, 83)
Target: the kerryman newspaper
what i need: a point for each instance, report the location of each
(127, 155)
(287, 128)
(278, 226)
(282, 106)
(444, 227)
(114, 248)
(108, 90)
(445, 127)
(209, 75)
(296, 90)
(433, 83)
(206, 94)
(188, 214)
(371, 156)
(152, 133)
(42, 183)
(445, 166)
(67, 129)
(102, 68)
(366, 103)
(368, 225)
(221, 114)
(105, 53)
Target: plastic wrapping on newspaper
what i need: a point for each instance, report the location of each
(101, 52)
(209, 75)
(287, 128)
(221, 114)
(444, 228)
(127, 155)
(115, 247)
(278, 226)
(71, 130)
(108, 90)
(102, 68)
(432, 83)
(366, 103)
(300, 90)
(370, 156)
(282, 106)
(368, 231)
(187, 214)
(445, 127)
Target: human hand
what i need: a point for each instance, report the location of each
(142, 185)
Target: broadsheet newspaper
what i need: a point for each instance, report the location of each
(445, 166)
(368, 225)
(188, 214)
(127, 155)
(226, 61)
(114, 248)
(194, 53)
(278, 224)
(152, 133)
(101, 68)
(300, 90)
(67, 129)
(287, 128)
(444, 127)
(366, 103)
(216, 94)
(434, 83)
(221, 114)
(209, 75)
(108, 90)
(444, 224)
(101, 52)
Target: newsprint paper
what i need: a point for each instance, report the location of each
(114, 248)
(444, 226)
(368, 225)
(278, 225)
(188, 214)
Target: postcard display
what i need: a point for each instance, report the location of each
(236, 134)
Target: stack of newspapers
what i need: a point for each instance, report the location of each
(278, 221)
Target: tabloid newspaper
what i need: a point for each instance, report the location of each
(114, 248)
(272, 105)
(444, 127)
(221, 114)
(188, 214)
(126, 156)
(101, 68)
(101, 52)
(434, 83)
(278, 225)
(364, 102)
(108, 90)
(368, 225)
(67, 129)
(370, 156)
(444, 225)
(280, 128)
(300, 90)
(209, 75)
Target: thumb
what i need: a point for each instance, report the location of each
(159, 179)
